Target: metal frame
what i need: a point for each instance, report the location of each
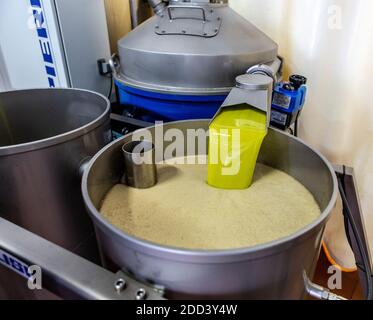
(354, 204)
(66, 274)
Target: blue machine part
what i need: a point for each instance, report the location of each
(288, 101)
(153, 106)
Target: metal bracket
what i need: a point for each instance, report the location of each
(129, 289)
(183, 20)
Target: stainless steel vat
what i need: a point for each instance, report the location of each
(270, 271)
(45, 137)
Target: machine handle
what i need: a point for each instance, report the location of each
(114, 63)
(171, 8)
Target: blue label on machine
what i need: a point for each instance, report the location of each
(281, 100)
(278, 117)
(13, 263)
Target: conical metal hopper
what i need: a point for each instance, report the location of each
(192, 48)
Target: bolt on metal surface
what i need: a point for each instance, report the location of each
(141, 294)
(120, 285)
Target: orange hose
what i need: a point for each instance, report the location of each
(334, 263)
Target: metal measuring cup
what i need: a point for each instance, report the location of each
(139, 162)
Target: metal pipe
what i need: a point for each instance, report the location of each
(157, 5)
(319, 292)
(133, 13)
(272, 69)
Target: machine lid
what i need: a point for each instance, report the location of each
(192, 48)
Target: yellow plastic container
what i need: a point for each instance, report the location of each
(236, 136)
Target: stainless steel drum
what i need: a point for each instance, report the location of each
(269, 271)
(45, 137)
(192, 47)
(181, 63)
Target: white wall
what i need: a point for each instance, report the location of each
(330, 42)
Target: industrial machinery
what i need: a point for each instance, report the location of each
(158, 271)
(182, 63)
(288, 101)
(70, 276)
(46, 207)
(242, 273)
